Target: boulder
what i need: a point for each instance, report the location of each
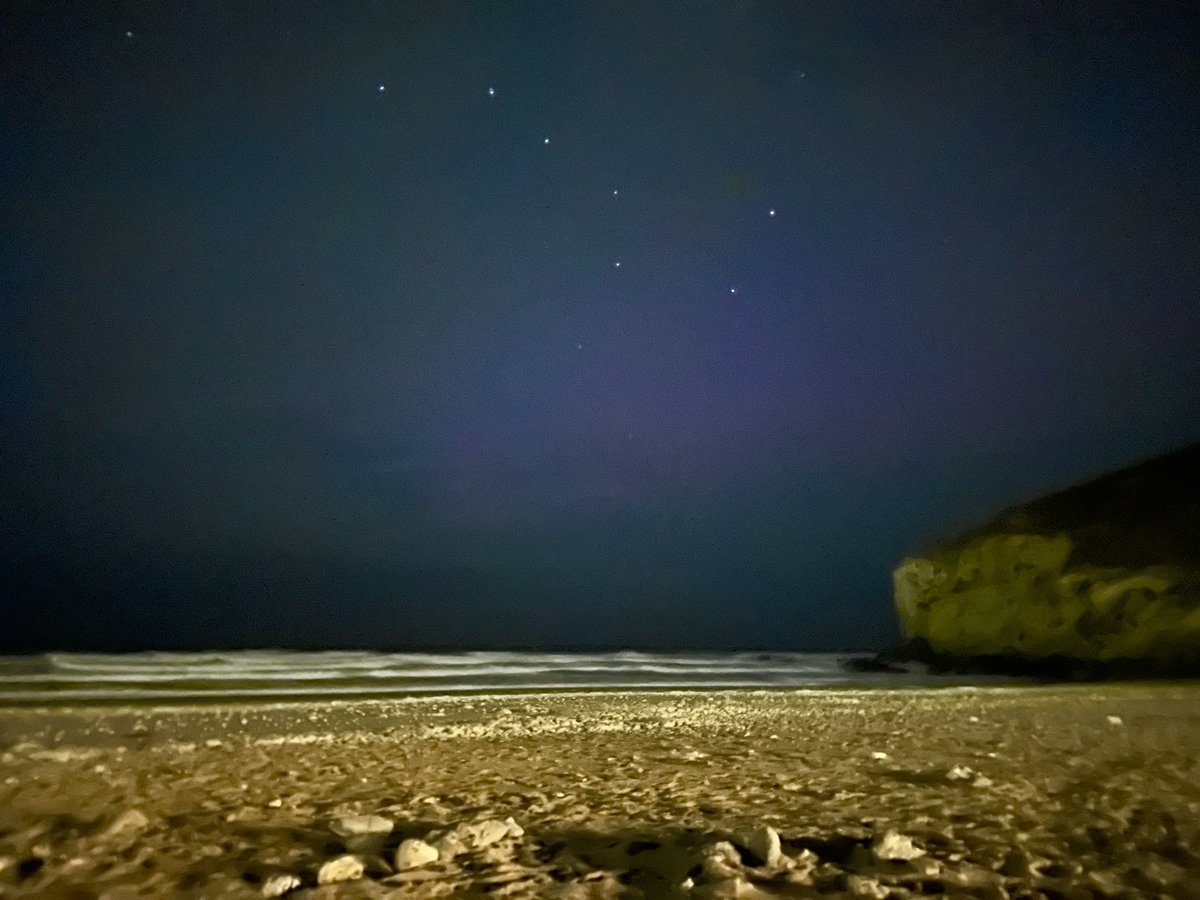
(1099, 579)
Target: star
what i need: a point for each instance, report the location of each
(615, 193)
(771, 213)
(579, 346)
(382, 88)
(491, 92)
(733, 290)
(546, 141)
(129, 34)
(617, 264)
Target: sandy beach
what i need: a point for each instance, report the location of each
(1073, 791)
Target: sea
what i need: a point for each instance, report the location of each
(243, 675)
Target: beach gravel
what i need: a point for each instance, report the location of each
(988, 792)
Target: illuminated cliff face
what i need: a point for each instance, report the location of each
(1018, 594)
(1102, 571)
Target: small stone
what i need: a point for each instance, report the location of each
(278, 885)
(894, 845)
(489, 832)
(447, 844)
(341, 868)
(803, 864)
(514, 830)
(959, 773)
(763, 842)
(355, 825)
(1115, 720)
(721, 861)
(130, 820)
(879, 754)
(473, 836)
(413, 853)
(213, 743)
(276, 803)
(981, 781)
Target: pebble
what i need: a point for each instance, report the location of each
(721, 861)
(130, 820)
(894, 845)
(353, 825)
(448, 845)
(278, 885)
(1115, 720)
(473, 836)
(763, 842)
(413, 853)
(341, 868)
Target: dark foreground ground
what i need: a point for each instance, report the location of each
(1077, 791)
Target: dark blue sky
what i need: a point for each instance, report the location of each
(290, 359)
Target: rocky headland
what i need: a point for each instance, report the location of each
(1099, 580)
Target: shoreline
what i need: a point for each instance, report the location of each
(996, 790)
(15, 701)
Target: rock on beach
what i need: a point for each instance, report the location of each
(341, 868)
(414, 853)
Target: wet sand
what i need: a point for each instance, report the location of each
(1076, 791)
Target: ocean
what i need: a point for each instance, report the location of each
(282, 674)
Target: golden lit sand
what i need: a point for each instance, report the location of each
(1077, 791)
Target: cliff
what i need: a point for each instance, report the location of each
(1100, 578)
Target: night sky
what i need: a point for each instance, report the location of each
(658, 325)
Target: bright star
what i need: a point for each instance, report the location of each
(382, 88)
(617, 264)
(545, 140)
(491, 92)
(733, 290)
(771, 213)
